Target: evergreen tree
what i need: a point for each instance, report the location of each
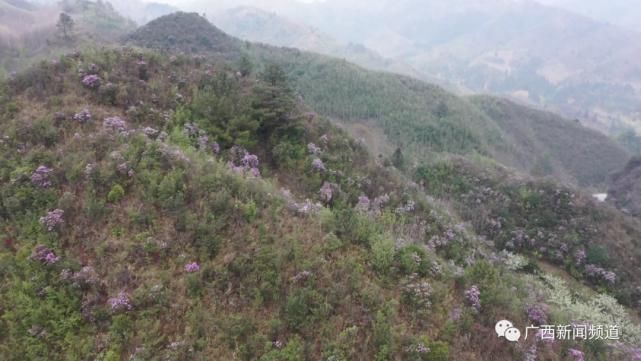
(272, 101)
(65, 25)
(398, 159)
(245, 66)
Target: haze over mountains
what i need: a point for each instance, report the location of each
(544, 56)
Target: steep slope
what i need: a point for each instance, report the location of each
(155, 235)
(625, 188)
(143, 217)
(560, 144)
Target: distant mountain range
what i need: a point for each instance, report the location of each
(540, 55)
(417, 116)
(625, 13)
(257, 25)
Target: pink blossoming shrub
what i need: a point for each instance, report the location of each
(215, 148)
(318, 165)
(203, 141)
(192, 267)
(576, 354)
(313, 149)
(44, 255)
(363, 204)
(150, 132)
(241, 162)
(327, 192)
(41, 177)
(53, 219)
(580, 256)
(473, 297)
(83, 116)
(91, 81)
(120, 302)
(537, 313)
(115, 124)
(600, 274)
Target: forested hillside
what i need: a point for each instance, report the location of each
(189, 196)
(416, 116)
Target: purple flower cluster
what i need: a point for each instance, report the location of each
(327, 192)
(203, 141)
(318, 165)
(243, 163)
(191, 130)
(192, 267)
(83, 116)
(115, 123)
(578, 355)
(41, 177)
(215, 147)
(363, 204)
(537, 313)
(53, 219)
(150, 132)
(597, 272)
(91, 81)
(44, 255)
(313, 149)
(473, 297)
(120, 302)
(580, 256)
(532, 353)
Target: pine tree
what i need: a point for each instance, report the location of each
(272, 101)
(65, 25)
(398, 159)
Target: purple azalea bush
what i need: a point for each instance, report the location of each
(598, 273)
(576, 354)
(327, 192)
(537, 313)
(115, 124)
(242, 162)
(318, 165)
(91, 81)
(192, 267)
(121, 302)
(473, 297)
(313, 149)
(44, 255)
(83, 116)
(41, 177)
(53, 219)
